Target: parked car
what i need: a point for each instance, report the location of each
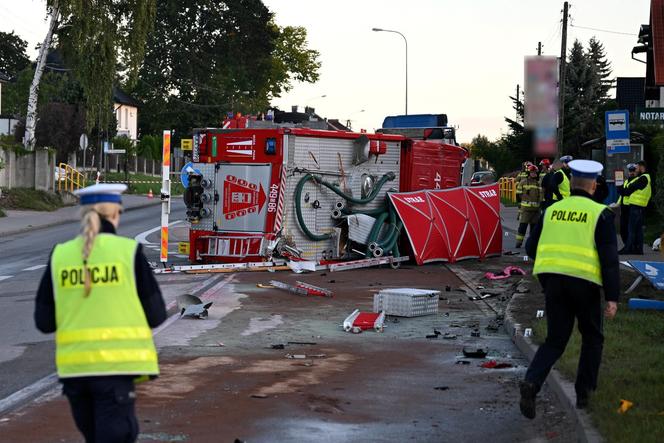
(481, 178)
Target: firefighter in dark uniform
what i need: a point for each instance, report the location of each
(639, 193)
(575, 252)
(99, 295)
(623, 201)
(546, 177)
(559, 184)
(530, 199)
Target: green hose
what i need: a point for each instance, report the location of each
(358, 201)
(298, 211)
(375, 230)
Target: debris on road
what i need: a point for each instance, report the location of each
(301, 288)
(493, 364)
(278, 346)
(363, 321)
(505, 273)
(474, 352)
(192, 306)
(406, 302)
(462, 362)
(300, 266)
(264, 286)
(442, 388)
(304, 356)
(475, 333)
(258, 396)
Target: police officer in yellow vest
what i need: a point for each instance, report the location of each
(99, 295)
(623, 201)
(575, 252)
(639, 193)
(560, 183)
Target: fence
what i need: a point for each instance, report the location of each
(68, 178)
(507, 187)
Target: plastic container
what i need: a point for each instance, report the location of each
(407, 302)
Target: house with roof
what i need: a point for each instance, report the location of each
(126, 108)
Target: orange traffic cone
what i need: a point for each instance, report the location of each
(150, 195)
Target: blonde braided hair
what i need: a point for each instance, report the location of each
(90, 225)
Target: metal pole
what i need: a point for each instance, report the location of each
(561, 86)
(406, 42)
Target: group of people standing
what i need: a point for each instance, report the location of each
(539, 188)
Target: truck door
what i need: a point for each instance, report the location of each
(242, 197)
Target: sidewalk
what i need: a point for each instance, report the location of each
(508, 215)
(18, 221)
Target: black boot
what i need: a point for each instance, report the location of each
(527, 404)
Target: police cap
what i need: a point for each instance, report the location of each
(101, 193)
(585, 168)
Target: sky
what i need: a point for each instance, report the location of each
(465, 58)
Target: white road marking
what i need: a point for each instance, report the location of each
(34, 268)
(5, 277)
(143, 236)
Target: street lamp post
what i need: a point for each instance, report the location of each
(406, 42)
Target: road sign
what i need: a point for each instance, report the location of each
(83, 142)
(116, 151)
(186, 144)
(617, 131)
(653, 271)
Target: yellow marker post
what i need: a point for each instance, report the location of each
(165, 194)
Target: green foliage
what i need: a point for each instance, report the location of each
(123, 142)
(587, 88)
(9, 143)
(208, 57)
(60, 125)
(148, 147)
(99, 37)
(13, 57)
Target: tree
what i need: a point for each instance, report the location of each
(13, 57)
(60, 127)
(97, 38)
(208, 57)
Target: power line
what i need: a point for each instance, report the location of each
(604, 30)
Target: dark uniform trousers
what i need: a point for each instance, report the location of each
(103, 407)
(634, 243)
(624, 223)
(568, 298)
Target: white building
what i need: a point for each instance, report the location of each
(126, 113)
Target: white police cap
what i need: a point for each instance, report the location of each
(566, 158)
(631, 166)
(585, 168)
(101, 193)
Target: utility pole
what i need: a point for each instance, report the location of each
(561, 83)
(517, 104)
(539, 48)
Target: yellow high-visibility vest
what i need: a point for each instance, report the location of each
(563, 187)
(624, 199)
(105, 333)
(567, 243)
(641, 197)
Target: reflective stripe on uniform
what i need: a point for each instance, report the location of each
(106, 356)
(102, 334)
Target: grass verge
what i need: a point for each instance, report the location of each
(142, 188)
(631, 369)
(30, 199)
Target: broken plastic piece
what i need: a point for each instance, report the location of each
(364, 321)
(475, 333)
(625, 405)
(474, 353)
(493, 364)
(441, 388)
(505, 273)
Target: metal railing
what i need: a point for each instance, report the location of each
(507, 187)
(68, 178)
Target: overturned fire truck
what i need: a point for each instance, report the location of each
(254, 193)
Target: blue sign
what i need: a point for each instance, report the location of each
(652, 270)
(184, 174)
(617, 132)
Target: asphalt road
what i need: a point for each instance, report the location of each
(26, 355)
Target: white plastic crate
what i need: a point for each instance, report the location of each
(407, 302)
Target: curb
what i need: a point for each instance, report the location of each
(69, 220)
(563, 389)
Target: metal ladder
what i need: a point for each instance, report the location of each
(238, 247)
